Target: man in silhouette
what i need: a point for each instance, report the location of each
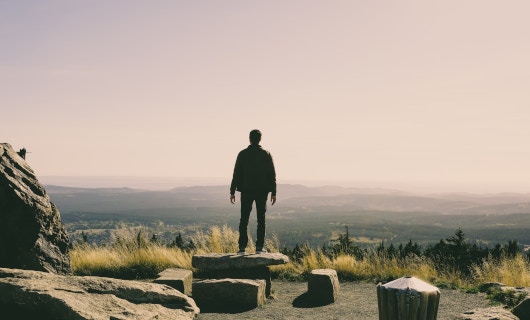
(254, 176)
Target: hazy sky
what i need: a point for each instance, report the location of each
(420, 92)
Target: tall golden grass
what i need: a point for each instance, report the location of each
(512, 271)
(130, 254)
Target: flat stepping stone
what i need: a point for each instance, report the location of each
(220, 261)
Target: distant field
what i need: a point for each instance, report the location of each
(314, 216)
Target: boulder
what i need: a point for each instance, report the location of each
(323, 286)
(180, 279)
(493, 313)
(229, 294)
(220, 261)
(27, 294)
(522, 310)
(31, 233)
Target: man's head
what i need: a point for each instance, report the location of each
(255, 136)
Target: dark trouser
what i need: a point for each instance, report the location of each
(247, 198)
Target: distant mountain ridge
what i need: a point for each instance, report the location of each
(325, 198)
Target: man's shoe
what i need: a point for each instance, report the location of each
(241, 252)
(258, 251)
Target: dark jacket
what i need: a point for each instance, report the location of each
(254, 171)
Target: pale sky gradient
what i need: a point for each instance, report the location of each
(418, 92)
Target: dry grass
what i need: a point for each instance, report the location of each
(132, 255)
(380, 267)
(218, 240)
(510, 271)
(129, 255)
(136, 263)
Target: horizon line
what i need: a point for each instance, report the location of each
(170, 182)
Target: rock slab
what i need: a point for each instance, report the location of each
(229, 294)
(27, 294)
(31, 233)
(180, 279)
(323, 286)
(493, 313)
(220, 261)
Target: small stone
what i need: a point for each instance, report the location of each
(180, 279)
(323, 286)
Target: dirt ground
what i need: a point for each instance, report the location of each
(357, 300)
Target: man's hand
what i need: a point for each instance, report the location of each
(273, 200)
(233, 198)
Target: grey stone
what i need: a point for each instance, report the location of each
(522, 310)
(39, 295)
(493, 313)
(180, 279)
(229, 294)
(323, 286)
(219, 261)
(31, 233)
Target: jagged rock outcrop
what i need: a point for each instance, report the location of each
(31, 233)
(27, 294)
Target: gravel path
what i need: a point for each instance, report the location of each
(357, 300)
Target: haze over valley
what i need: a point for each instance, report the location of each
(313, 215)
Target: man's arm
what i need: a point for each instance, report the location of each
(272, 174)
(235, 179)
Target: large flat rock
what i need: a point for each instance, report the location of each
(220, 261)
(26, 294)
